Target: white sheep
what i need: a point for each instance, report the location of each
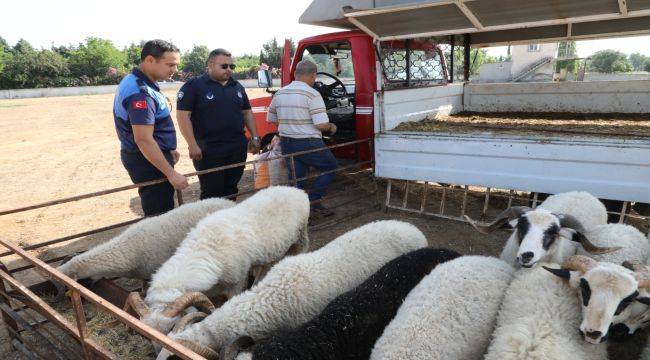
(552, 231)
(144, 246)
(608, 291)
(538, 320)
(450, 314)
(634, 246)
(299, 287)
(218, 253)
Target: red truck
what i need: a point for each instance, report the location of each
(348, 81)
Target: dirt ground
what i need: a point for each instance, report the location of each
(59, 147)
(557, 124)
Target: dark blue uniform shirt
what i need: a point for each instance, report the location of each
(217, 118)
(138, 101)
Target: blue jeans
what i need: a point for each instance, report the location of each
(320, 160)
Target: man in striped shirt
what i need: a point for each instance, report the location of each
(300, 113)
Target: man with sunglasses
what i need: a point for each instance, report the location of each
(212, 111)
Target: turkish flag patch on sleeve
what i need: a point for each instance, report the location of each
(141, 104)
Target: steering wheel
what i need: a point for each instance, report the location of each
(328, 90)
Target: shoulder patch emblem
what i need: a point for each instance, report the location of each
(140, 105)
(209, 96)
(180, 95)
(240, 95)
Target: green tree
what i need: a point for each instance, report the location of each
(567, 49)
(95, 58)
(271, 53)
(477, 57)
(22, 47)
(4, 45)
(63, 50)
(5, 57)
(609, 61)
(35, 69)
(132, 54)
(247, 66)
(647, 66)
(638, 61)
(195, 61)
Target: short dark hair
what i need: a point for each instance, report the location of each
(157, 48)
(216, 52)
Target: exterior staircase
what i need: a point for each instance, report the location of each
(531, 68)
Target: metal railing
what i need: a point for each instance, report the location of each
(447, 192)
(14, 316)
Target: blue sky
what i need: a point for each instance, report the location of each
(241, 26)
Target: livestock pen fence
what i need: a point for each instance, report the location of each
(454, 202)
(38, 330)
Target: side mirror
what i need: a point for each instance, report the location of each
(264, 79)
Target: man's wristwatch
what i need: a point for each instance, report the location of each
(256, 138)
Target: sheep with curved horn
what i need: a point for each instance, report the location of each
(552, 231)
(299, 287)
(219, 252)
(606, 289)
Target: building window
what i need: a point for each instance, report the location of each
(533, 47)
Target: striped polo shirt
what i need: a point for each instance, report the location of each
(297, 108)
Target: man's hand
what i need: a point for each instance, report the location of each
(327, 128)
(176, 155)
(332, 129)
(195, 152)
(178, 181)
(254, 145)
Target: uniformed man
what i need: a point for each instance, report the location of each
(145, 128)
(212, 111)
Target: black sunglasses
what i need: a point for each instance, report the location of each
(225, 66)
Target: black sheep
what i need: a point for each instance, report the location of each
(351, 324)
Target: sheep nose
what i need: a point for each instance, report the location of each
(527, 256)
(594, 334)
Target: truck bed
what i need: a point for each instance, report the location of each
(535, 124)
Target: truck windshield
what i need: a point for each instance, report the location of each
(337, 63)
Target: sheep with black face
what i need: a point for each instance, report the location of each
(552, 231)
(607, 290)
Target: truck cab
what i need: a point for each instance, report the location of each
(345, 80)
(348, 81)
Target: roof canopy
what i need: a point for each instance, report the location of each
(491, 22)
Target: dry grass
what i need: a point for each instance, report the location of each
(558, 124)
(124, 344)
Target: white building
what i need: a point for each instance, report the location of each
(532, 62)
